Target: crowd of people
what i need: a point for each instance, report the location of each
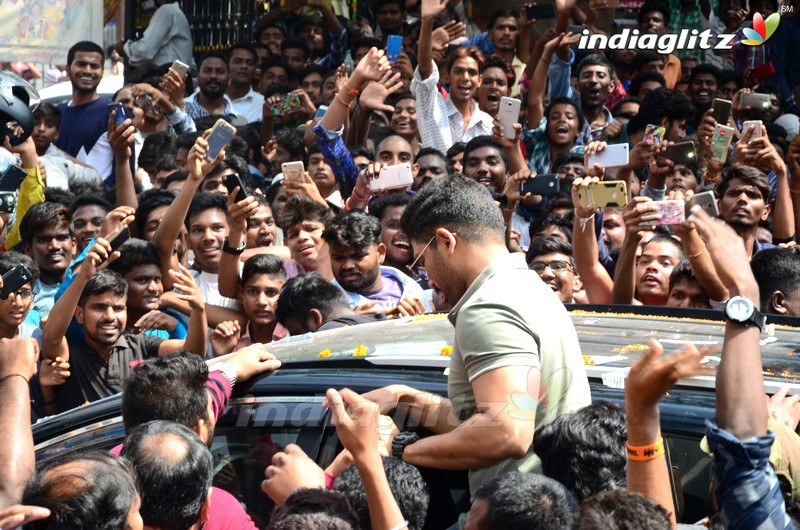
(139, 245)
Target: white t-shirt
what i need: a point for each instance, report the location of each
(209, 288)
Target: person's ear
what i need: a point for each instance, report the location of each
(577, 283)
(79, 315)
(314, 319)
(447, 239)
(381, 251)
(776, 301)
(205, 511)
(664, 122)
(765, 213)
(415, 170)
(27, 250)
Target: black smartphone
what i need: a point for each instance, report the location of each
(681, 153)
(722, 110)
(121, 237)
(231, 182)
(8, 201)
(540, 11)
(12, 178)
(545, 184)
(14, 279)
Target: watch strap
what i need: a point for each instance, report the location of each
(400, 442)
(230, 250)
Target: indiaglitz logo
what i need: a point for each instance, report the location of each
(762, 29)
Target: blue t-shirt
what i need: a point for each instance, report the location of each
(82, 132)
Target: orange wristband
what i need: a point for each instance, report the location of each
(644, 453)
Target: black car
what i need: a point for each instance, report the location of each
(266, 414)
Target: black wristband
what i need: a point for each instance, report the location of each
(226, 248)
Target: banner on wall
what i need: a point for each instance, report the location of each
(42, 31)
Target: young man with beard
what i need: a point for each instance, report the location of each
(551, 259)
(512, 337)
(101, 361)
(497, 81)
(83, 129)
(47, 237)
(210, 98)
(456, 118)
(242, 64)
(357, 254)
(743, 198)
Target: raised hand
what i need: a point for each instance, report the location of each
(174, 85)
(307, 187)
(116, 220)
(196, 162)
(356, 421)
(291, 469)
(374, 95)
(54, 372)
(725, 247)
(120, 137)
(225, 337)
(371, 67)
(240, 211)
(98, 258)
(431, 9)
(155, 319)
(186, 288)
(18, 515)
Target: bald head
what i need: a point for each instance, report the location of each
(174, 469)
(394, 150)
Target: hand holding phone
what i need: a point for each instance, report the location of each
(293, 171)
(392, 177)
(654, 133)
(180, 67)
(706, 200)
(722, 110)
(671, 212)
(614, 155)
(233, 181)
(394, 45)
(546, 184)
(221, 134)
(18, 276)
(508, 116)
(604, 194)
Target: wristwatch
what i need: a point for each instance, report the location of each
(230, 250)
(227, 370)
(742, 310)
(400, 441)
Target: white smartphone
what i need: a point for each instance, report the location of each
(393, 177)
(508, 115)
(221, 134)
(756, 128)
(180, 67)
(615, 155)
(293, 171)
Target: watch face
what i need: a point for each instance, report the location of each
(740, 310)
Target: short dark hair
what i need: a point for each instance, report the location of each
(377, 207)
(309, 291)
(297, 43)
(157, 145)
(318, 505)
(170, 388)
(457, 203)
(623, 510)
(643, 57)
(454, 149)
(187, 140)
(104, 281)
(432, 151)
(356, 230)
(48, 112)
(660, 237)
(167, 163)
(202, 202)
(58, 195)
(594, 59)
(85, 46)
(548, 245)
(133, 253)
(565, 157)
(407, 486)
(10, 259)
(278, 61)
(292, 140)
(654, 5)
(214, 54)
(560, 223)
(585, 451)
(312, 69)
(704, 68)
(776, 269)
(644, 77)
(300, 208)
(527, 500)
(175, 176)
(246, 46)
(730, 75)
(659, 104)
(681, 271)
(495, 61)
(90, 200)
(42, 215)
(174, 470)
(747, 174)
(98, 495)
(360, 150)
(564, 100)
(484, 141)
(502, 12)
(259, 264)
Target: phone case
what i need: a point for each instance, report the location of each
(722, 110)
(508, 115)
(8, 201)
(393, 177)
(762, 71)
(609, 193)
(293, 171)
(321, 112)
(654, 133)
(394, 45)
(755, 101)
(541, 11)
(756, 130)
(546, 184)
(720, 142)
(221, 134)
(672, 213)
(706, 200)
(180, 67)
(120, 238)
(612, 156)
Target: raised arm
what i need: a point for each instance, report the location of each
(170, 227)
(596, 281)
(196, 339)
(54, 341)
(229, 263)
(120, 138)
(31, 190)
(429, 10)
